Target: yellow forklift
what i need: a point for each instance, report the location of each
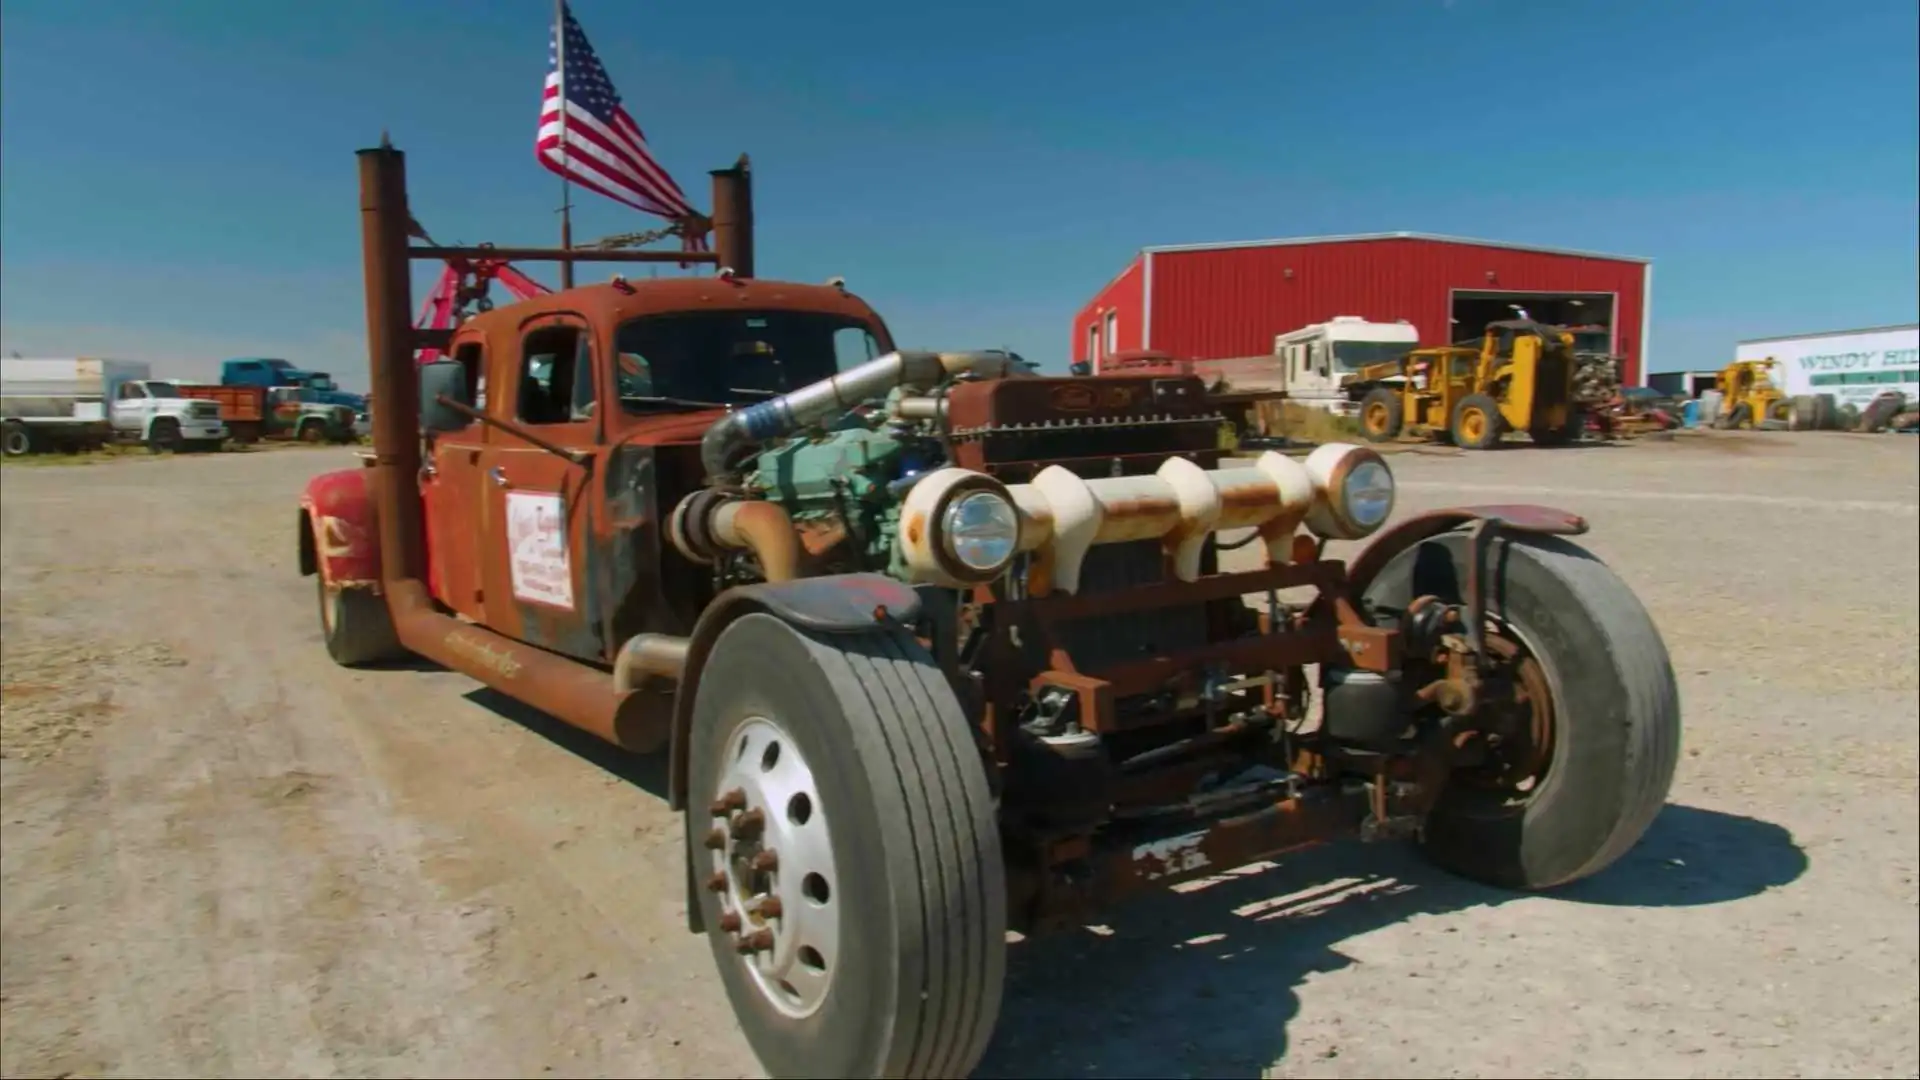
(1748, 395)
(1519, 378)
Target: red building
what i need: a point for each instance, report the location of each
(1215, 301)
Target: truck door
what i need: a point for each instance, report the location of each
(132, 407)
(539, 516)
(456, 500)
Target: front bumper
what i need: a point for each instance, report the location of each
(203, 430)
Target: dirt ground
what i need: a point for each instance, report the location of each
(224, 856)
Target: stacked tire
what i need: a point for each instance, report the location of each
(1880, 411)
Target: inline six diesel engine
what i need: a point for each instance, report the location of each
(958, 469)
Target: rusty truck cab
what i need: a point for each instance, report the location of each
(543, 511)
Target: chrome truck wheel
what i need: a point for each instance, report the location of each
(767, 812)
(845, 840)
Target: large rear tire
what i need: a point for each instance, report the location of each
(837, 775)
(354, 620)
(1476, 423)
(357, 626)
(1604, 762)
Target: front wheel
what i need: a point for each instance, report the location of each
(1590, 757)
(1381, 415)
(845, 842)
(163, 436)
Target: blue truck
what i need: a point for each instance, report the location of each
(315, 386)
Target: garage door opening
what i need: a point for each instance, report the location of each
(1472, 311)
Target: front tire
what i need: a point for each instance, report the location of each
(1613, 737)
(163, 436)
(1381, 415)
(876, 834)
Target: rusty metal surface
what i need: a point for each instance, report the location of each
(733, 217)
(1143, 418)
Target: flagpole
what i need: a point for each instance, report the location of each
(566, 187)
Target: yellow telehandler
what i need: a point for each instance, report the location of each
(1519, 378)
(1748, 395)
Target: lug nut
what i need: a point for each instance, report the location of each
(758, 941)
(748, 825)
(730, 802)
(716, 839)
(766, 862)
(768, 908)
(718, 882)
(730, 922)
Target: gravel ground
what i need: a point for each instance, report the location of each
(224, 856)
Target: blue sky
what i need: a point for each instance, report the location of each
(177, 179)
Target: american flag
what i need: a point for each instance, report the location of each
(598, 146)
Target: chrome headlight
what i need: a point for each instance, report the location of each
(1353, 491)
(958, 528)
(980, 531)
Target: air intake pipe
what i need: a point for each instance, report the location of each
(788, 413)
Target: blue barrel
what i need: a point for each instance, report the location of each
(1690, 413)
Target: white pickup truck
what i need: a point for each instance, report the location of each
(81, 403)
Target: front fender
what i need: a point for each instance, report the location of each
(339, 531)
(836, 603)
(1520, 517)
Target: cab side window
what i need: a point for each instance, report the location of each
(556, 376)
(472, 355)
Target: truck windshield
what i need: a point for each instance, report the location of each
(320, 382)
(732, 357)
(1354, 355)
(162, 389)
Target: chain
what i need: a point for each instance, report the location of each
(691, 225)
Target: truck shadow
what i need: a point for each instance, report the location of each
(1203, 983)
(648, 772)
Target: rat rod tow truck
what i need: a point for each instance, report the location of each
(941, 649)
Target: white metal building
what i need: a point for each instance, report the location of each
(1852, 365)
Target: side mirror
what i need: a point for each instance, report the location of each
(1080, 367)
(443, 378)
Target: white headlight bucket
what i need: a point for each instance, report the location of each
(938, 503)
(1354, 491)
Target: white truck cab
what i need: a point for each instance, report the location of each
(154, 412)
(1315, 360)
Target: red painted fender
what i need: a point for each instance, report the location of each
(1520, 517)
(339, 533)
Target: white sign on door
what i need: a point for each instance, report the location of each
(537, 546)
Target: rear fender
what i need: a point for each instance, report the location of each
(1518, 517)
(339, 533)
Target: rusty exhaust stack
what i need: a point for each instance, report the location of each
(733, 217)
(582, 696)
